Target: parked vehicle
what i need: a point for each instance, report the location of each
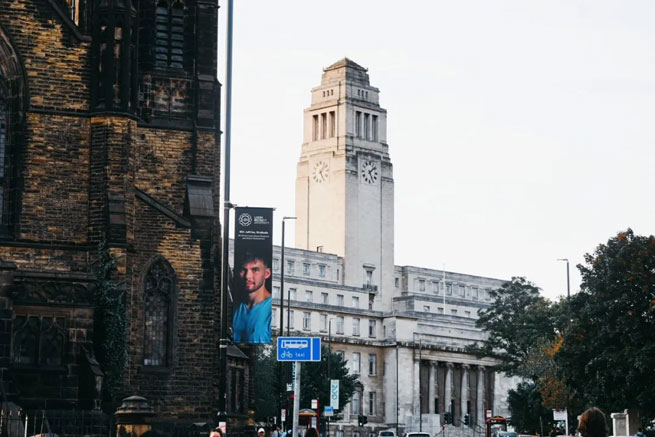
(387, 433)
(417, 434)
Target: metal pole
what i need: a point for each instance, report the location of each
(281, 364)
(329, 378)
(223, 342)
(282, 279)
(296, 400)
(420, 384)
(397, 406)
(568, 279)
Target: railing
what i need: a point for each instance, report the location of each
(61, 422)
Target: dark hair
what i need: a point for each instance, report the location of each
(311, 432)
(252, 256)
(593, 423)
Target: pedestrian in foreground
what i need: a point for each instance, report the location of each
(593, 424)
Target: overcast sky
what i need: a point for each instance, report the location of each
(520, 131)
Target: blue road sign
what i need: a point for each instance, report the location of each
(299, 349)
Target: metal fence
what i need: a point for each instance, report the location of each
(63, 423)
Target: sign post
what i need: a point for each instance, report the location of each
(562, 415)
(299, 348)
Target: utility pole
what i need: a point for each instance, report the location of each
(225, 268)
(568, 279)
(280, 378)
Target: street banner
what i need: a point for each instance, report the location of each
(253, 253)
(334, 393)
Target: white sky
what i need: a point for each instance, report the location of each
(520, 131)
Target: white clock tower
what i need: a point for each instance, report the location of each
(344, 185)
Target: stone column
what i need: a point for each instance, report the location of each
(448, 396)
(431, 387)
(481, 395)
(464, 393)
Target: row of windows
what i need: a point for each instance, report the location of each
(328, 93)
(460, 290)
(326, 128)
(363, 94)
(356, 407)
(306, 268)
(453, 312)
(326, 325)
(292, 294)
(366, 126)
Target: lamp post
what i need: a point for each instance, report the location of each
(329, 378)
(280, 379)
(568, 280)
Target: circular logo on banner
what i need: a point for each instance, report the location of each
(245, 219)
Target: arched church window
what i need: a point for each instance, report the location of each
(51, 342)
(169, 34)
(26, 339)
(159, 299)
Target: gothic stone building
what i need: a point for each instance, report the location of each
(109, 145)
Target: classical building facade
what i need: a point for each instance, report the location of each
(402, 329)
(109, 182)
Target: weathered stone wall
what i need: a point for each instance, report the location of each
(80, 173)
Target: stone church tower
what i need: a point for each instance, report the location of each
(109, 149)
(344, 185)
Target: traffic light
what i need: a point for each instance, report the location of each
(362, 420)
(448, 418)
(467, 419)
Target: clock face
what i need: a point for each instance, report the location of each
(370, 172)
(320, 172)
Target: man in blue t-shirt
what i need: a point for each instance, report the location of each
(252, 317)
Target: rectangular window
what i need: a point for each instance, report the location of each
(306, 321)
(435, 286)
(276, 292)
(340, 325)
(340, 300)
(355, 302)
(292, 294)
(358, 124)
(367, 127)
(467, 313)
(276, 264)
(309, 296)
(339, 433)
(462, 291)
(449, 289)
(321, 270)
(274, 317)
(396, 282)
(372, 398)
(421, 285)
(333, 124)
(355, 403)
(306, 267)
(453, 312)
(372, 365)
(323, 125)
(290, 267)
(324, 298)
(474, 293)
(356, 363)
(315, 128)
(290, 321)
(356, 327)
(371, 328)
(426, 308)
(374, 127)
(369, 278)
(323, 323)
(440, 310)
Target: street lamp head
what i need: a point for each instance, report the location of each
(563, 259)
(288, 218)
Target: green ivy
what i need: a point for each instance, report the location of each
(110, 322)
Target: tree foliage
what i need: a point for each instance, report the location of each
(528, 412)
(314, 384)
(520, 325)
(608, 353)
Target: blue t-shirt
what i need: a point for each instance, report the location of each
(253, 325)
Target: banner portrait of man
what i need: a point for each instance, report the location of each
(253, 252)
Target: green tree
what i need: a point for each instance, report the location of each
(608, 354)
(314, 383)
(529, 416)
(521, 325)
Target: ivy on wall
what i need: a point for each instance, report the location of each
(110, 322)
